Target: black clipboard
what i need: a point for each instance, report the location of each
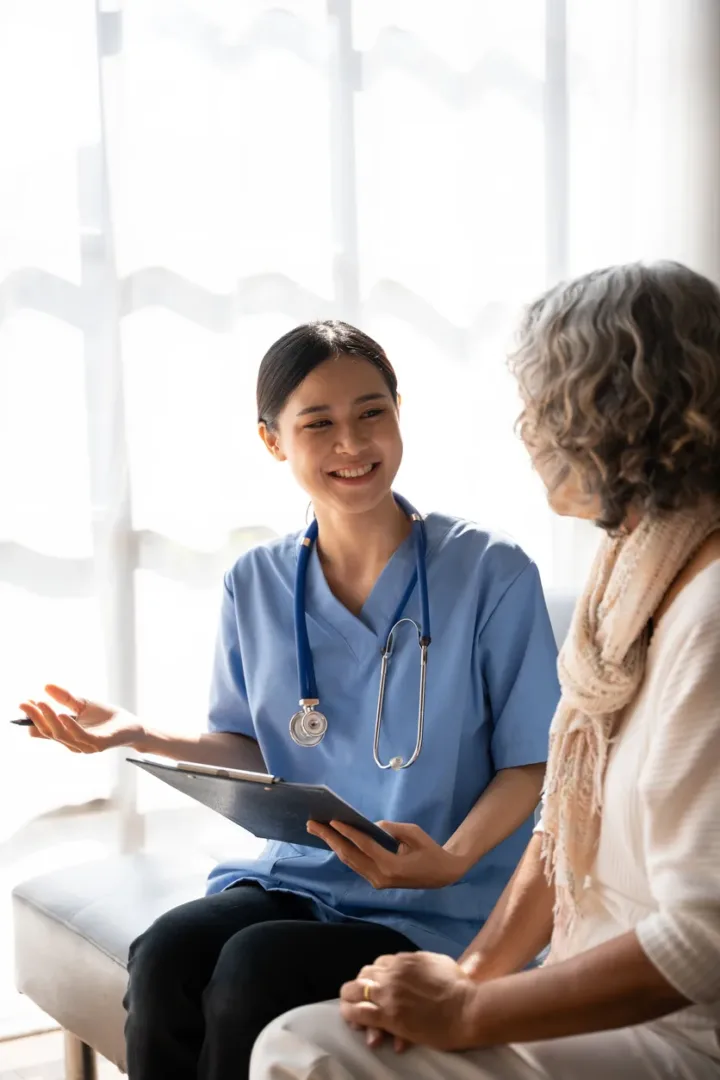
(265, 805)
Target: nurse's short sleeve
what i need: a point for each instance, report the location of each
(229, 710)
(519, 668)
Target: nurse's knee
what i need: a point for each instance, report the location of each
(252, 977)
(298, 1043)
(158, 958)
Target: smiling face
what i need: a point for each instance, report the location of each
(340, 434)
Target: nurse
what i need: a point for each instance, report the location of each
(290, 926)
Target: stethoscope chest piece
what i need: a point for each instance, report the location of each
(308, 726)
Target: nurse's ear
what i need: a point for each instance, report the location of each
(272, 441)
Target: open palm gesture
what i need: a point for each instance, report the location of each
(83, 726)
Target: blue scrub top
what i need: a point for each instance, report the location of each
(491, 692)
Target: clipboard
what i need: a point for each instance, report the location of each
(265, 805)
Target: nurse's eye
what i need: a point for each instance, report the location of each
(317, 425)
(369, 414)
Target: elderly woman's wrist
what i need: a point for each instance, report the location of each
(470, 1028)
(481, 965)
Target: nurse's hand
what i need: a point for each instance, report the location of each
(419, 863)
(421, 998)
(91, 727)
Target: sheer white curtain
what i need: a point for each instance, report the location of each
(183, 180)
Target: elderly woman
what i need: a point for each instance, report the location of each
(620, 378)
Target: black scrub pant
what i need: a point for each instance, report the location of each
(208, 976)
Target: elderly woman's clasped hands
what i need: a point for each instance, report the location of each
(418, 997)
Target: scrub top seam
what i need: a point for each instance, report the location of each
(502, 596)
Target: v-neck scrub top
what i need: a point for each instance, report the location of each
(491, 692)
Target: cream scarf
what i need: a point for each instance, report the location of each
(601, 668)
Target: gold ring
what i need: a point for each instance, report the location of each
(366, 992)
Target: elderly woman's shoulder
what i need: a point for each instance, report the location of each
(703, 574)
(689, 618)
(707, 555)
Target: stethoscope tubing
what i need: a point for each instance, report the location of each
(308, 689)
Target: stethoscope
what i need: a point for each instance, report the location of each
(309, 725)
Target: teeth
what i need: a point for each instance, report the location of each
(350, 474)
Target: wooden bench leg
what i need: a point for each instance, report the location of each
(80, 1062)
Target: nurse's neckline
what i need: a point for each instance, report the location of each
(353, 580)
(436, 531)
(299, 536)
(355, 535)
(327, 559)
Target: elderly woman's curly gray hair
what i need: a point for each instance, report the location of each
(619, 372)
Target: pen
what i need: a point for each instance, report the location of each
(25, 721)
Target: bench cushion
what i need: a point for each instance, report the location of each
(73, 929)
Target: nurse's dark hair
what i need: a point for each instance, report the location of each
(619, 373)
(300, 351)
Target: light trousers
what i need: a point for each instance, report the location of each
(314, 1043)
